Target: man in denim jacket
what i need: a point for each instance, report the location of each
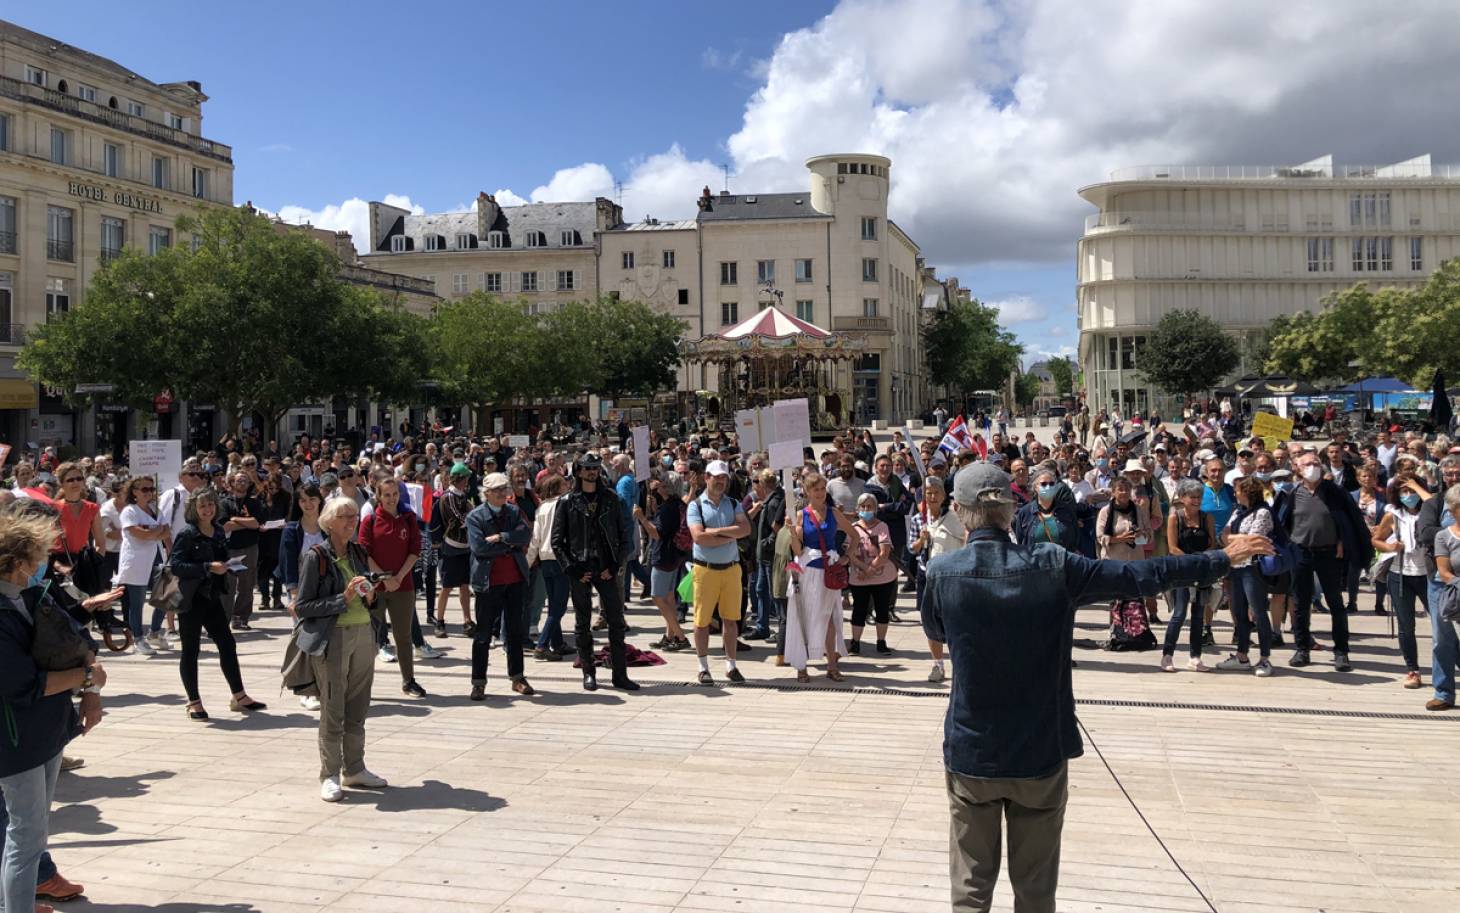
(1007, 614)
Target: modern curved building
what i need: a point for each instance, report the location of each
(1244, 244)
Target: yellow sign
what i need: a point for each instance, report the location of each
(18, 394)
(1271, 428)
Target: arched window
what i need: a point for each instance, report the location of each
(62, 87)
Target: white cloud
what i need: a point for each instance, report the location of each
(1057, 330)
(506, 197)
(353, 216)
(1019, 309)
(1032, 354)
(581, 182)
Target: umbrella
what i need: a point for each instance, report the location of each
(1132, 438)
(1440, 411)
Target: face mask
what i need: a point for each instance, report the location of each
(1047, 492)
(1409, 499)
(38, 577)
(1312, 472)
(867, 515)
(668, 462)
(1263, 476)
(1282, 486)
(1101, 462)
(420, 467)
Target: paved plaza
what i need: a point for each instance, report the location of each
(1309, 791)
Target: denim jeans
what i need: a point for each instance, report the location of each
(134, 597)
(48, 866)
(1249, 593)
(550, 634)
(1331, 573)
(1446, 651)
(760, 597)
(1404, 589)
(28, 796)
(1355, 571)
(1181, 599)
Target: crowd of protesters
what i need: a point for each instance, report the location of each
(350, 546)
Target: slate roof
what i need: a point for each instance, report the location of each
(552, 219)
(746, 207)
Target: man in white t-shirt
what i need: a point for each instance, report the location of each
(174, 500)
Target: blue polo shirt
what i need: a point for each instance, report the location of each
(704, 512)
(1221, 504)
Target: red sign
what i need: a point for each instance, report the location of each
(162, 402)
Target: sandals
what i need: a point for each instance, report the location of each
(835, 675)
(199, 715)
(803, 676)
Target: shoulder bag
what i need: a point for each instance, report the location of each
(56, 644)
(836, 575)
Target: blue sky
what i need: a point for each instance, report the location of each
(994, 113)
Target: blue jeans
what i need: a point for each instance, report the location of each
(551, 632)
(1404, 589)
(1446, 648)
(28, 796)
(1181, 599)
(135, 600)
(1248, 592)
(760, 597)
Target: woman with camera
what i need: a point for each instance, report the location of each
(335, 592)
(199, 561)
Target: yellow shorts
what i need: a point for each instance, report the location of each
(716, 588)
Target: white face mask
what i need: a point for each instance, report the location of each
(1312, 472)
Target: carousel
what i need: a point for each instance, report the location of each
(774, 356)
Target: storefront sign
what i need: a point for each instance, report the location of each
(119, 197)
(17, 393)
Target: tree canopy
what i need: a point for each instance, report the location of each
(1187, 353)
(968, 350)
(248, 317)
(1062, 374)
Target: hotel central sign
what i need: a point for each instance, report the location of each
(119, 197)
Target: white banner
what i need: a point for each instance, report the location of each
(792, 420)
(786, 455)
(160, 459)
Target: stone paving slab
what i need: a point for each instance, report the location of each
(756, 799)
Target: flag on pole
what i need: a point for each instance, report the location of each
(957, 437)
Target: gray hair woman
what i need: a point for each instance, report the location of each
(334, 632)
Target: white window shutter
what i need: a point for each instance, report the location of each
(552, 281)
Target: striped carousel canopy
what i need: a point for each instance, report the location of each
(772, 323)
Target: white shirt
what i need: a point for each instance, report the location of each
(1387, 453)
(134, 567)
(111, 525)
(541, 546)
(1082, 490)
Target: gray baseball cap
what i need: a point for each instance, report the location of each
(982, 481)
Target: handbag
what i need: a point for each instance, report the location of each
(56, 643)
(89, 571)
(835, 575)
(165, 592)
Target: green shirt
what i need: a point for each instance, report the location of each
(355, 612)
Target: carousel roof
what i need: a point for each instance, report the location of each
(773, 323)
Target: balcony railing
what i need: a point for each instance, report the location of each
(60, 250)
(109, 254)
(1237, 222)
(12, 334)
(7, 242)
(1409, 171)
(101, 114)
(861, 324)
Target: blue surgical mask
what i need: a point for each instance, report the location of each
(38, 577)
(1409, 499)
(867, 515)
(1101, 462)
(1282, 486)
(668, 462)
(1047, 492)
(1263, 476)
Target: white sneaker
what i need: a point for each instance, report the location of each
(157, 640)
(1196, 665)
(387, 655)
(309, 702)
(937, 674)
(1263, 669)
(428, 652)
(365, 780)
(143, 647)
(1233, 662)
(1167, 663)
(330, 790)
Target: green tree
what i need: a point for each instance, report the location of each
(485, 350)
(1062, 373)
(248, 317)
(1187, 353)
(1334, 344)
(1026, 388)
(637, 347)
(1413, 332)
(967, 350)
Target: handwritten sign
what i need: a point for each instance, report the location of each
(786, 454)
(641, 453)
(792, 421)
(159, 459)
(1271, 428)
(519, 441)
(747, 427)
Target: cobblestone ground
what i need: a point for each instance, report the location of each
(1307, 791)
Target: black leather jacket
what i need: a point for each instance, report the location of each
(588, 547)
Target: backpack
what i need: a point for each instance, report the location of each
(682, 539)
(1129, 629)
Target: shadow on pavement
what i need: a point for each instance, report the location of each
(430, 795)
(88, 788)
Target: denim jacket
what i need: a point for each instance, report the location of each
(515, 532)
(1007, 614)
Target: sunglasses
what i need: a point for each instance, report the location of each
(192, 475)
(143, 491)
(69, 479)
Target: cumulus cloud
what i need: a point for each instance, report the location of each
(506, 197)
(353, 216)
(1019, 309)
(581, 182)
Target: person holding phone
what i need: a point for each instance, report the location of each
(1122, 527)
(334, 631)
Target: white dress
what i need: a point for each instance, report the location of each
(810, 610)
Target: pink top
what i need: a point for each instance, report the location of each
(869, 543)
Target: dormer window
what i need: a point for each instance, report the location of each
(571, 239)
(536, 239)
(466, 241)
(497, 240)
(399, 244)
(435, 242)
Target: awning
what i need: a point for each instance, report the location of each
(18, 393)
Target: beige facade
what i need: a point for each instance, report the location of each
(1244, 244)
(94, 159)
(542, 253)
